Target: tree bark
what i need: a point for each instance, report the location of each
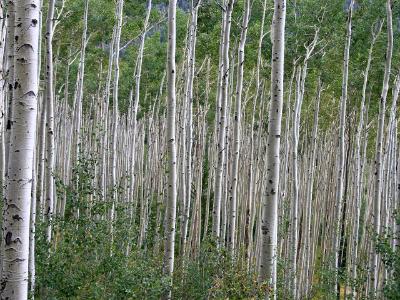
(269, 223)
(379, 141)
(16, 212)
(49, 120)
(169, 252)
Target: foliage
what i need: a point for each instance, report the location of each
(390, 256)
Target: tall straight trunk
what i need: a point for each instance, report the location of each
(77, 108)
(359, 175)
(341, 146)
(16, 211)
(269, 222)
(32, 233)
(3, 92)
(217, 206)
(300, 87)
(169, 252)
(41, 155)
(219, 172)
(49, 120)
(393, 131)
(189, 126)
(310, 189)
(379, 140)
(134, 111)
(295, 200)
(118, 15)
(237, 129)
(104, 159)
(250, 213)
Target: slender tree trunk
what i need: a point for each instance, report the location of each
(169, 253)
(134, 108)
(3, 93)
(222, 123)
(49, 120)
(189, 126)
(295, 200)
(310, 189)
(359, 175)
(237, 127)
(269, 223)
(342, 150)
(379, 141)
(32, 233)
(114, 141)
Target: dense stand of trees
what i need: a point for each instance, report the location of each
(187, 149)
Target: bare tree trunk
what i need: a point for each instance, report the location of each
(342, 150)
(222, 124)
(269, 223)
(359, 175)
(237, 130)
(379, 141)
(189, 126)
(16, 212)
(134, 108)
(169, 253)
(3, 93)
(118, 16)
(32, 233)
(49, 120)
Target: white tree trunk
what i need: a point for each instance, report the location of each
(222, 123)
(359, 174)
(341, 146)
(169, 252)
(16, 212)
(49, 120)
(379, 141)
(269, 223)
(10, 45)
(237, 129)
(3, 92)
(189, 126)
(118, 16)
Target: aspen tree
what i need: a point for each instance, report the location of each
(379, 141)
(189, 126)
(114, 140)
(16, 212)
(32, 233)
(222, 122)
(134, 111)
(77, 106)
(295, 201)
(250, 218)
(104, 158)
(300, 87)
(217, 125)
(169, 252)
(269, 223)
(3, 92)
(49, 120)
(310, 187)
(395, 188)
(341, 145)
(358, 175)
(237, 125)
